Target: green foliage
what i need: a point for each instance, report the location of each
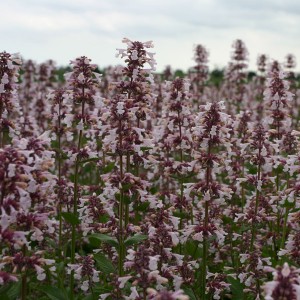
(10, 291)
(70, 218)
(136, 239)
(236, 288)
(97, 238)
(54, 293)
(105, 265)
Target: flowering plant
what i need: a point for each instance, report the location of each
(137, 185)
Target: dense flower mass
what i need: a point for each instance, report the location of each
(129, 184)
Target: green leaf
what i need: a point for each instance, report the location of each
(236, 288)
(100, 289)
(110, 154)
(105, 265)
(104, 238)
(89, 160)
(126, 186)
(146, 148)
(61, 152)
(193, 249)
(51, 242)
(133, 240)
(70, 218)
(4, 288)
(127, 199)
(103, 218)
(142, 206)
(14, 291)
(54, 293)
(108, 168)
(60, 266)
(180, 214)
(4, 296)
(189, 292)
(10, 291)
(94, 296)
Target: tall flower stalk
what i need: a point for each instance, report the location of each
(176, 126)
(235, 76)
(259, 147)
(210, 132)
(130, 107)
(200, 72)
(9, 68)
(277, 99)
(82, 82)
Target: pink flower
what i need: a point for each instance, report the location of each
(285, 284)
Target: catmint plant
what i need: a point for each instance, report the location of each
(210, 132)
(199, 74)
(236, 76)
(82, 82)
(9, 104)
(277, 99)
(146, 185)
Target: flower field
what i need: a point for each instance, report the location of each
(130, 184)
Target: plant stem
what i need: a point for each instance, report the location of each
(243, 188)
(127, 204)
(24, 286)
(59, 180)
(1, 132)
(75, 199)
(284, 227)
(181, 182)
(205, 241)
(121, 203)
(253, 230)
(284, 230)
(204, 259)
(24, 279)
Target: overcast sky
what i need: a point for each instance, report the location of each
(64, 29)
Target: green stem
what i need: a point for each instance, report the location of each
(205, 249)
(1, 132)
(24, 279)
(121, 205)
(127, 204)
(253, 230)
(75, 200)
(243, 188)
(180, 222)
(205, 240)
(284, 228)
(24, 287)
(121, 239)
(231, 246)
(181, 183)
(285, 220)
(59, 179)
(278, 229)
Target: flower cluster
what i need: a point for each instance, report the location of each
(285, 284)
(9, 68)
(200, 72)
